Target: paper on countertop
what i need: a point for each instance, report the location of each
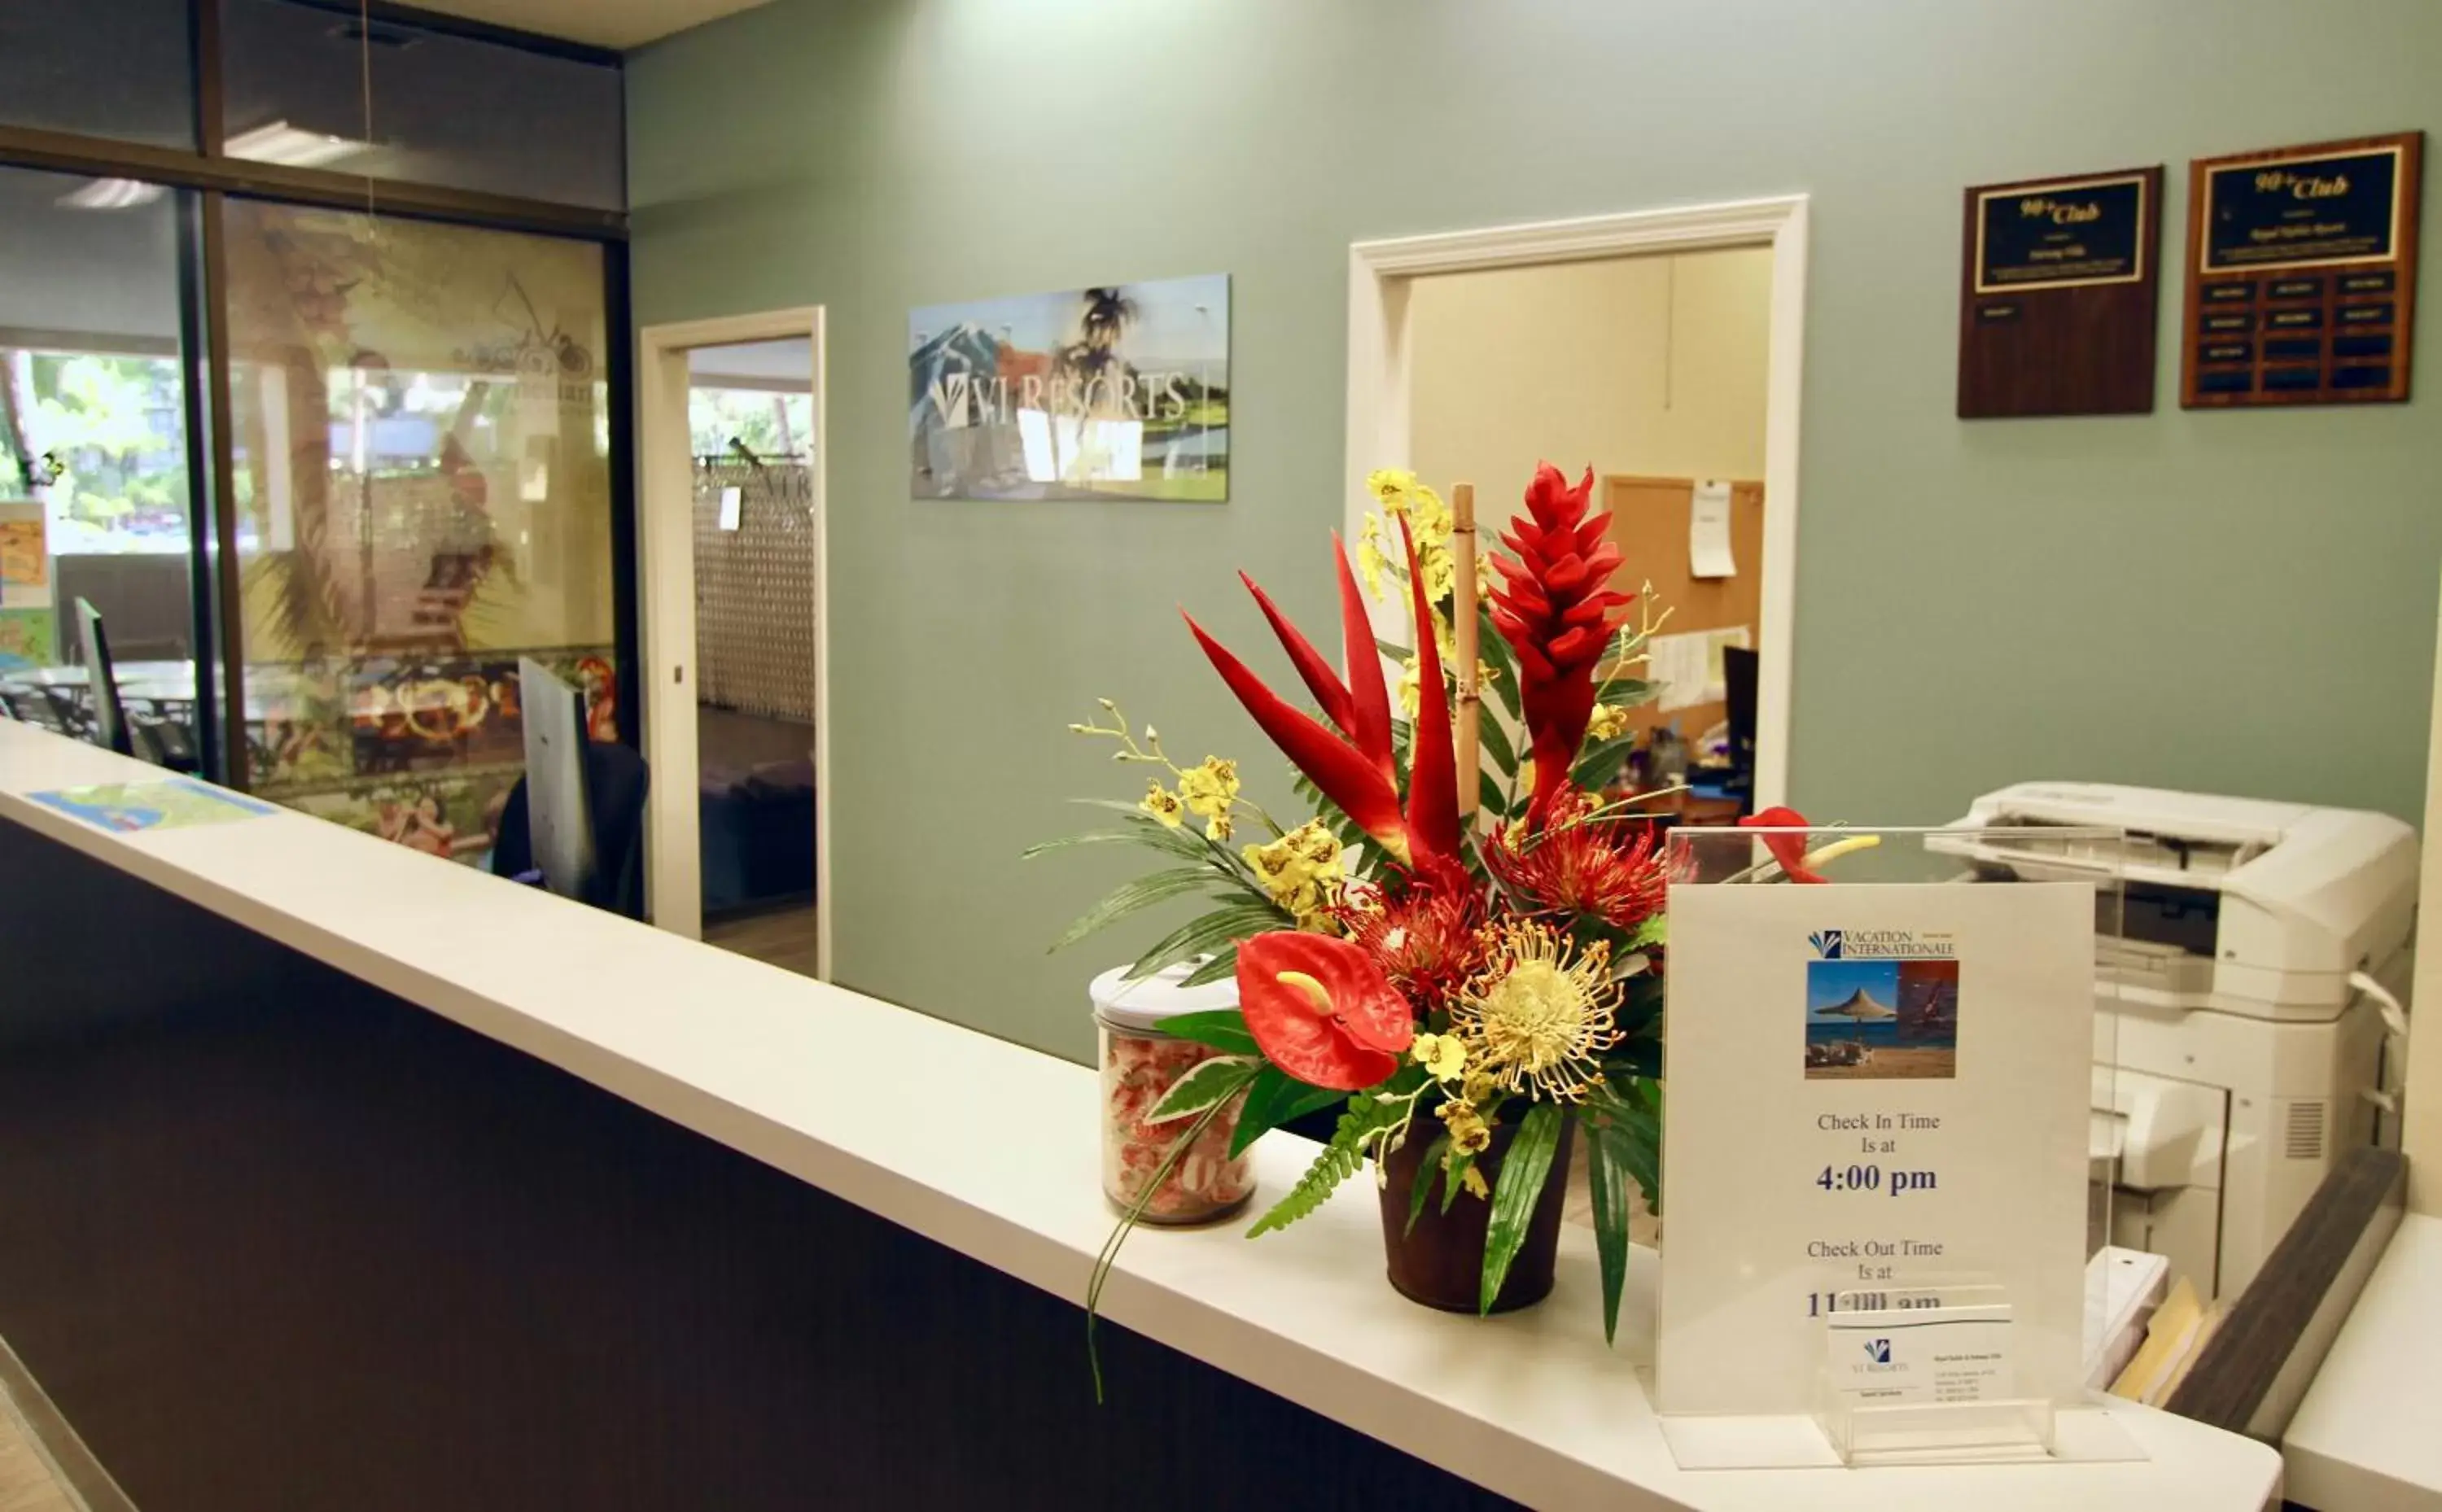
(732, 504)
(1708, 532)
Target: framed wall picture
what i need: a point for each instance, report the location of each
(1115, 391)
(2302, 275)
(2056, 308)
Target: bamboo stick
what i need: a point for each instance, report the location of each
(1464, 617)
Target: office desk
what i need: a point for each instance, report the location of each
(444, 1192)
(2368, 1435)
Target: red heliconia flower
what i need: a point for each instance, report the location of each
(1321, 1011)
(1576, 864)
(1427, 939)
(1558, 613)
(1788, 849)
(1357, 772)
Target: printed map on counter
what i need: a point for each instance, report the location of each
(125, 807)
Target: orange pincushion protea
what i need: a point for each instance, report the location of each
(1581, 863)
(1427, 941)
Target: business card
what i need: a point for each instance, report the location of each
(1919, 1354)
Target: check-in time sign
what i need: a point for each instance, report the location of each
(1873, 1088)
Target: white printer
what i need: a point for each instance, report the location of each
(2234, 1055)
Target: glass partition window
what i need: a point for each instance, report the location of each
(93, 457)
(116, 69)
(420, 425)
(444, 108)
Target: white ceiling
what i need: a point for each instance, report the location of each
(602, 23)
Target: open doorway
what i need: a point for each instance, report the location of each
(733, 559)
(1614, 269)
(1650, 373)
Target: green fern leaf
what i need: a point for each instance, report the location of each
(1335, 1163)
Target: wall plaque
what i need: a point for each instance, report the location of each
(2316, 247)
(2057, 298)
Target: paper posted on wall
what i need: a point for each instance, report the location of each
(1708, 532)
(1689, 668)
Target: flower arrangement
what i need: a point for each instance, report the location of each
(1462, 949)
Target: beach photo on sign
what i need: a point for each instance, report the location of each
(1882, 1020)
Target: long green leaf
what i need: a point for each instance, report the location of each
(1206, 933)
(1515, 1193)
(1496, 744)
(1459, 1167)
(1423, 1185)
(1215, 1081)
(1133, 896)
(1223, 963)
(1277, 1098)
(1488, 795)
(1153, 836)
(1224, 1029)
(1608, 1177)
(1151, 832)
(1596, 767)
(1496, 655)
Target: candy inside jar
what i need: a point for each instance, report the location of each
(1140, 1065)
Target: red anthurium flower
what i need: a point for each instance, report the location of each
(1558, 613)
(1788, 849)
(1321, 1011)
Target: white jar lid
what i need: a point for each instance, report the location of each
(1144, 1003)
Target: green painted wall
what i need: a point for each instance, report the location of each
(2236, 602)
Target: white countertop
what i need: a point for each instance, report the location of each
(2368, 1435)
(783, 1068)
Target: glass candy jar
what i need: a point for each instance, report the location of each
(1140, 1065)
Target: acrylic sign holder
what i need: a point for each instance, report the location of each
(1916, 1291)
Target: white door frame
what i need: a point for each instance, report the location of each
(1379, 401)
(665, 565)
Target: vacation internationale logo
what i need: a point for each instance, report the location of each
(1879, 1351)
(1882, 1004)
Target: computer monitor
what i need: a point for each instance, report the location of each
(1739, 688)
(110, 726)
(559, 810)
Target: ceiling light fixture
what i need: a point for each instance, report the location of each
(111, 194)
(279, 143)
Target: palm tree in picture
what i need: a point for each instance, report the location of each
(1110, 312)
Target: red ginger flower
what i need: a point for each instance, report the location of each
(1321, 1011)
(1558, 613)
(1579, 863)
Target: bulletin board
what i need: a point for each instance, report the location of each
(1649, 520)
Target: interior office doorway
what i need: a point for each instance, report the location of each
(1386, 397)
(732, 558)
(1650, 372)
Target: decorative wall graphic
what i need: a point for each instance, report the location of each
(423, 419)
(2301, 280)
(2057, 296)
(1107, 393)
(25, 561)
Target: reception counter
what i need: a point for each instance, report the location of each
(338, 1177)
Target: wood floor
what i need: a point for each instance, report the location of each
(27, 1484)
(784, 939)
